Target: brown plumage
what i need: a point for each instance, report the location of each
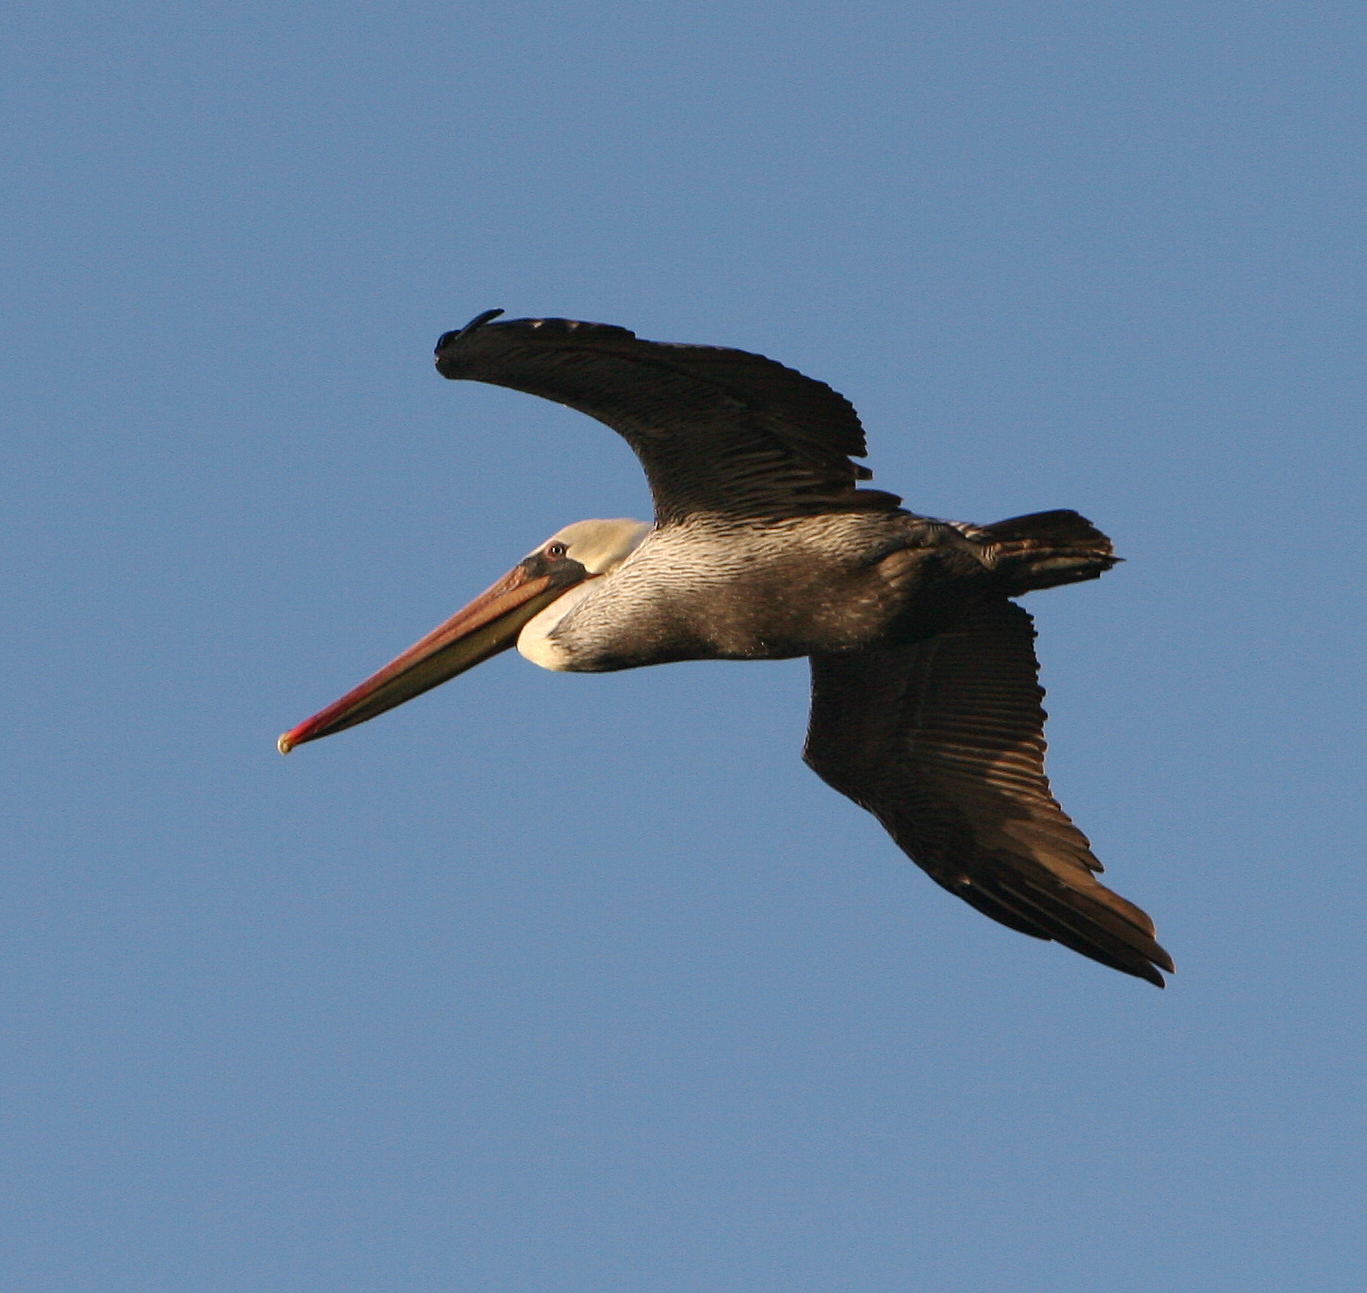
(717, 430)
(925, 693)
(943, 741)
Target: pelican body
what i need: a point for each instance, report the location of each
(925, 694)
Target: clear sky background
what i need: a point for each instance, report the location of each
(584, 984)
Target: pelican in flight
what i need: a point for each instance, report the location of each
(925, 693)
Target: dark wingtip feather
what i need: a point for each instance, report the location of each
(478, 321)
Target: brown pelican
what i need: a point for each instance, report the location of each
(925, 699)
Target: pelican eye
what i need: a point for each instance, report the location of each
(556, 550)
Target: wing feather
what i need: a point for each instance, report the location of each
(943, 741)
(717, 430)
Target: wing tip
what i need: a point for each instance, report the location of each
(450, 338)
(1080, 920)
(453, 364)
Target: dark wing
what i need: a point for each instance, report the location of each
(943, 741)
(719, 431)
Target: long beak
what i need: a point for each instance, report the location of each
(488, 625)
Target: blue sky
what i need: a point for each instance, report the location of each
(583, 983)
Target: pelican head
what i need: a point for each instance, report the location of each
(489, 624)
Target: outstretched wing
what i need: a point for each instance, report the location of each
(943, 741)
(717, 431)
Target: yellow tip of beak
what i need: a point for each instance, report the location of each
(283, 744)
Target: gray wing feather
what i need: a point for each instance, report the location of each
(943, 741)
(718, 431)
